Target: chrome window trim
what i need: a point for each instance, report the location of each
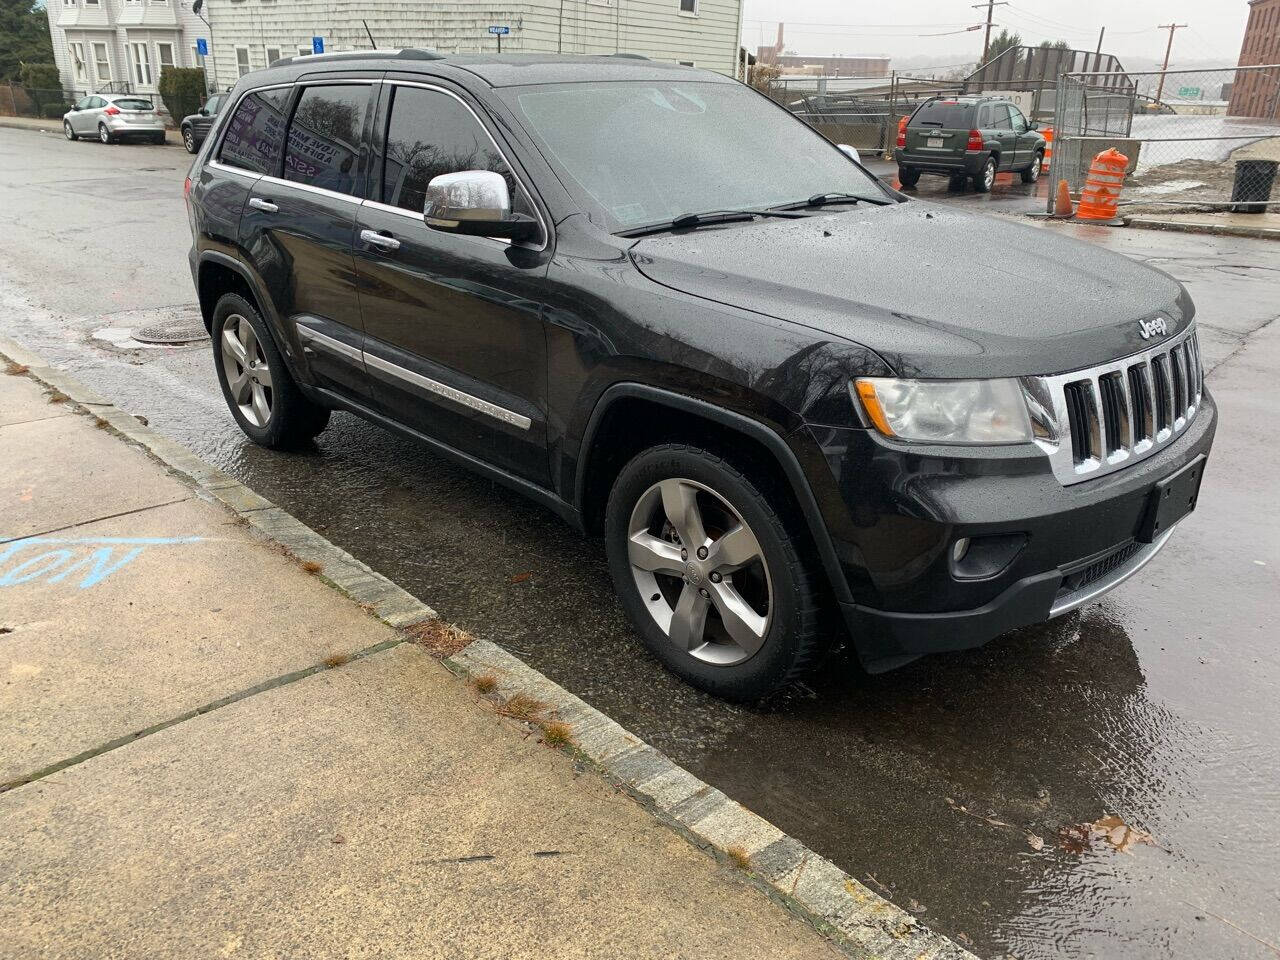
(314, 337)
(306, 187)
(449, 393)
(1057, 444)
(528, 194)
(236, 171)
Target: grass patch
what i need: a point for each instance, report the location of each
(101, 424)
(557, 734)
(15, 369)
(440, 638)
(521, 706)
(336, 660)
(57, 396)
(486, 682)
(739, 857)
(311, 566)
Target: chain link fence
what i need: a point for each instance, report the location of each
(17, 100)
(860, 111)
(1201, 139)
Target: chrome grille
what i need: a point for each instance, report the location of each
(1112, 415)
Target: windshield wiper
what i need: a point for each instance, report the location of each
(823, 199)
(688, 221)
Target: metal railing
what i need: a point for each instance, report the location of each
(1206, 139)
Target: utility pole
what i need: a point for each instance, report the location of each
(1171, 27)
(986, 36)
(1101, 33)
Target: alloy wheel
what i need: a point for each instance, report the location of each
(103, 134)
(989, 174)
(67, 131)
(245, 366)
(188, 140)
(701, 572)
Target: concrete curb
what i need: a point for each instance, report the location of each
(1210, 229)
(858, 920)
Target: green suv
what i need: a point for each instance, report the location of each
(969, 138)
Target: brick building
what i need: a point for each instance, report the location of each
(1256, 93)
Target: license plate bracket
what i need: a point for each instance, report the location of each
(1171, 499)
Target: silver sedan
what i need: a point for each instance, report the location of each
(113, 117)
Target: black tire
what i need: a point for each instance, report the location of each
(1032, 173)
(104, 135)
(984, 178)
(294, 420)
(797, 631)
(68, 132)
(908, 176)
(189, 140)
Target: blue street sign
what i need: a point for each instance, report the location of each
(500, 31)
(202, 46)
(317, 44)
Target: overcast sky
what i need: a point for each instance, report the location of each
(864, 27)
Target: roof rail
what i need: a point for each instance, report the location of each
(627, 56)
(407, 53)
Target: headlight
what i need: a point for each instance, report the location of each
(946, 411)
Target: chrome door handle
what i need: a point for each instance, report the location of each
(379, 240)
(261, 204)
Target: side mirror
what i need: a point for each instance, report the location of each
(204, 111)
(475, 203)
(850, 152)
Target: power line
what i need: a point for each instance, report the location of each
(1172, 28)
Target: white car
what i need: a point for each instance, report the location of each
(114, 117)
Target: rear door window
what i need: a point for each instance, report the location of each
(945, 115)
(323, 146)
(255, 133)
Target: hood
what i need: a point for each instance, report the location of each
(935, 291)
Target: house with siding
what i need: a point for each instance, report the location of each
(121, 45)
(250, 34)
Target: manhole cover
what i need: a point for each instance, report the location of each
(177, 330)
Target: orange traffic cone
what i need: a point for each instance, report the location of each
(1102, 186)
(1048, 147)
(1062, 205)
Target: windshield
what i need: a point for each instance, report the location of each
(946, 114)
(640, 152)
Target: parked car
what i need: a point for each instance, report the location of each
(969, 138)
(195, 128)
(582, 278)
(112, 118)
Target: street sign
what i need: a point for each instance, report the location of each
(202, 46)
(1189, 93)
(500, 31)
(317, 44)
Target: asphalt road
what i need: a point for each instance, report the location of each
(953, 784)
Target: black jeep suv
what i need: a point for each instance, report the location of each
(656, 302)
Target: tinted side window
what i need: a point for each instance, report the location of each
(323, 147)
(1000, 117)
(1019, 121)
(255, 133)
(429, 134)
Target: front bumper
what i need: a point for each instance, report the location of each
(894, 516)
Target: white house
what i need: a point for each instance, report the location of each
(120, 45)
(249, 34)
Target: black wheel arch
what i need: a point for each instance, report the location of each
(598, 461)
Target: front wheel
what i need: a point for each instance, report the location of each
(104, 134)
(188, 140)
(985, 177)
(1032, 173)
(908, 176)
(259, 390)
(710, 575)
(67, 131)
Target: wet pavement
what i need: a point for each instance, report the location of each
(955, 785)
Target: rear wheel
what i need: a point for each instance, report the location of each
(709, 574)
(259, 390)
(67, 131)
(104, 134)
(984, 178)
(1032, 173)
(908, 176)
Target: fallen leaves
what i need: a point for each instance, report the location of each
(1110, 830)
(1034, 842)
(521, 577)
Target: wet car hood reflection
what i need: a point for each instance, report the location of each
(936, 291)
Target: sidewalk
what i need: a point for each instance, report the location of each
(208, 748)
(54, 125)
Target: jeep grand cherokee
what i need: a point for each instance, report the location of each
(657, 303)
